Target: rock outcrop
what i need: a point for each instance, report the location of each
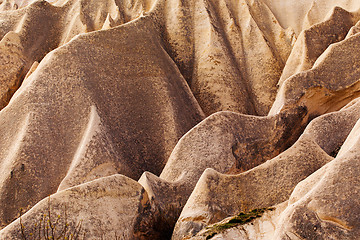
(68, 133)
(97, 209)
(198, 119)
(217, 196)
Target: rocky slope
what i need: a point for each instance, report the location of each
(173, 119)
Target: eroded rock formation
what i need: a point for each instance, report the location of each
(196, 119)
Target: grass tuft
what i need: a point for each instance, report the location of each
(239, 219)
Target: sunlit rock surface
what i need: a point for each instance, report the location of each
(172, 119)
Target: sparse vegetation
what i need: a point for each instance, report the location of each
(239, 219)
(51, 227)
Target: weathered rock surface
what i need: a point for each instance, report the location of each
(217, 196)
(262, 226)
(328, 86)
(312, 42)
(13, 66)
(225, 141)
(218, 106)
(235, 51)
(326, 205)
(106, 208)
(35, 30)
(64, 131)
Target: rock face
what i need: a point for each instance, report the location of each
(217, 196)
(216, 143)
(323, 199)
(105, 208)
(67, 131)
(171, 119)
